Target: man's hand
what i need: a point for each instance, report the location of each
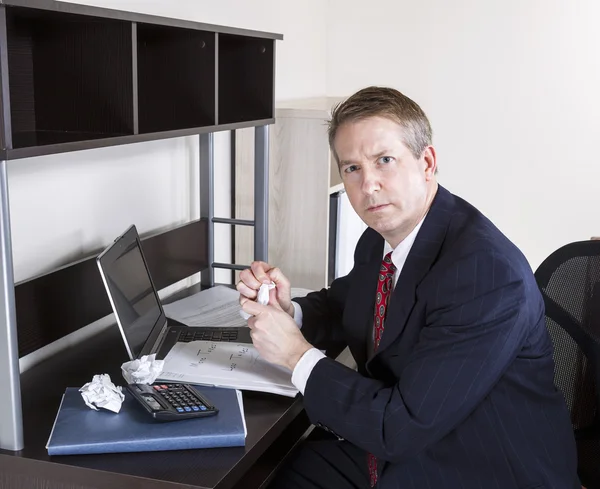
(262, 273)
(274, 334)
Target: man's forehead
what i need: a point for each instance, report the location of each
(360, 141)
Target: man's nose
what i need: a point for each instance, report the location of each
(370, 183)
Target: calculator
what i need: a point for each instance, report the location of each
(171, 402)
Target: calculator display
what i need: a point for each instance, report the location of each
(170, 402)
(152, 403)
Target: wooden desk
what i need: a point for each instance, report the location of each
(274, 423)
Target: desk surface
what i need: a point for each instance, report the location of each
(267, 416)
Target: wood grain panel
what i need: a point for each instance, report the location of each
(244, 196)
(298, 198)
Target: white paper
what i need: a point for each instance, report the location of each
(241, 404)
(262, 298)
(263, 293)
(218, 306)
(193, 363)
(102, 393)
(144, 370)
(226, 364)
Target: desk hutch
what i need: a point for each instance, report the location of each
(74, 77)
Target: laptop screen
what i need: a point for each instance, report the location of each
(130, 289)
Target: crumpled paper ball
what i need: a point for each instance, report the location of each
(102, 393)
(263, 298)
(144, 370)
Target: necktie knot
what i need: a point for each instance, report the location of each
(387, 267)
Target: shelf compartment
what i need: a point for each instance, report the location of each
(70, 77)
(176, 78)
(246, 74)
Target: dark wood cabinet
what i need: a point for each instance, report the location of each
(77, 77)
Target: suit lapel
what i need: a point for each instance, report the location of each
(361, 299)
(421, 257)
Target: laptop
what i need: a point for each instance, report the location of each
(137, 307)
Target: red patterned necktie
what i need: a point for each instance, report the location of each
(384, 289)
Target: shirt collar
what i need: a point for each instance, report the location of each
(403, 249)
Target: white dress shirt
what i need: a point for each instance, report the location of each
(308, 361)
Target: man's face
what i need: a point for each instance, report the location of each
(387, 186)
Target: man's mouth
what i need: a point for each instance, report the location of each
(375, 208)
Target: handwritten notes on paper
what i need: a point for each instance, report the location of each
(226, 364)
(222, 364)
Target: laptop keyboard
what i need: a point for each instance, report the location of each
(208, 334)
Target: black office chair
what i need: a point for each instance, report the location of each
(570, 283)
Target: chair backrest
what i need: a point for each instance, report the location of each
(569, 280)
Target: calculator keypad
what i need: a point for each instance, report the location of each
(172, 402)
(182, 399)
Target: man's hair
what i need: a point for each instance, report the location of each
(384, 102)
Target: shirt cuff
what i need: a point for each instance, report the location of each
(297, 314)
(304, 367)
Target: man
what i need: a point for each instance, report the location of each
(443, 316)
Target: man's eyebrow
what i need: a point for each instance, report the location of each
(378, 155)
(342, 163)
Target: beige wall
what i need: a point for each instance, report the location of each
(511, 88)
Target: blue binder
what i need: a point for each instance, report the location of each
(80, 430)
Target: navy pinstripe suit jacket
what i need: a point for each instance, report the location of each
(460, 393)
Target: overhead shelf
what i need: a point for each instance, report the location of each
(76, 77)
(246, 74)
(176, 78)
(70, 77)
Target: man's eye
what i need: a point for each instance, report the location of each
(386, 159)
(350, 169)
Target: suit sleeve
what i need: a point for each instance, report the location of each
(476, 322)
(322, 314)
(322, 311)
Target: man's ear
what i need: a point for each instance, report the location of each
(430, 159)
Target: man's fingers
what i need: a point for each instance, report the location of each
(260, 270)
(245, 291)
(277, 276)
(249, 279)
(252, 307)
(273, 299)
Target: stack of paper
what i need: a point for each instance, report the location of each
(221, 364)
(226, 364)
(217, 306)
